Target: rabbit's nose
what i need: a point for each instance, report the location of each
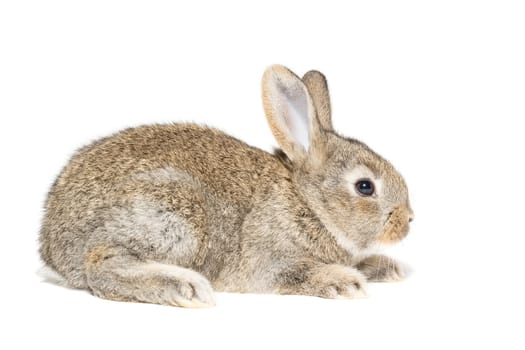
(410, 215)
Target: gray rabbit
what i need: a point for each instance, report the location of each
(168, 213)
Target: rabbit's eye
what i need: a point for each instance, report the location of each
(365, 187)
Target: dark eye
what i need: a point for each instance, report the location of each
(365, 187)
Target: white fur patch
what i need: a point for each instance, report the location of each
(362, 172)
(151, 226)
(352, 249)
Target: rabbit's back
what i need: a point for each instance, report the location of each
(226, 165)
(161, 173)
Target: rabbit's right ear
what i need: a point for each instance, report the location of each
(291, 113)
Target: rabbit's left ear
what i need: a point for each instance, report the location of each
(291, 113)
(318, 87)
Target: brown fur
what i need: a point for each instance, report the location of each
(163, 213)
(318, 88)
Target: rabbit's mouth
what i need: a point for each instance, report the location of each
(396, 226)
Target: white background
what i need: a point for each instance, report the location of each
(436, 87)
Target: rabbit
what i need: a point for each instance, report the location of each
(168, 214)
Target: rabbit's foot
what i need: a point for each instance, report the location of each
(113, 274)
(380, 268)
(184, 287)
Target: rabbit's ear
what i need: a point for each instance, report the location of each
(290, 112)
(318, 87)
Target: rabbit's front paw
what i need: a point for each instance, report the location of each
(380, 268)
(339, 282)
(330, 281)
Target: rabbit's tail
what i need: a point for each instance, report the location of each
(50, 275)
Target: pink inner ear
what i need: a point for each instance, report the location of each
(293, 114)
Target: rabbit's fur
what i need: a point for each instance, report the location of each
(168, 213)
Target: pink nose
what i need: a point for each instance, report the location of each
(410, 216)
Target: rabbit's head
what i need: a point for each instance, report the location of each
(357, 195)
